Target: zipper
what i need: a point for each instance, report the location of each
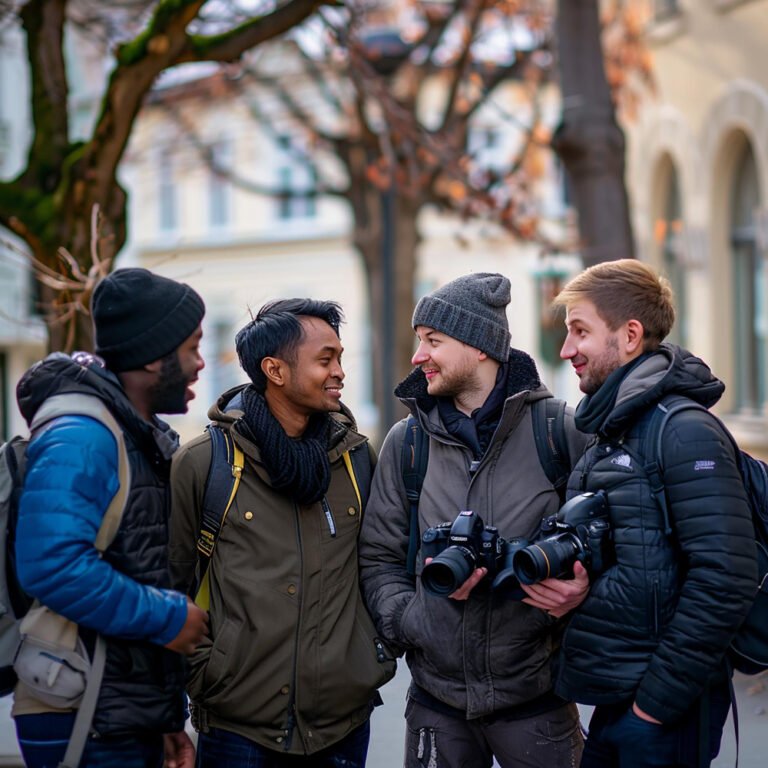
(291, 722)
(655, 608)
(328, 516)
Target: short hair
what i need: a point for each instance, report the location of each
(276, 331)
(623, 290)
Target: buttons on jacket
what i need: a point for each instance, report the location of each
(248, 515)
(291, 589)
(285, 690)
(351, 510)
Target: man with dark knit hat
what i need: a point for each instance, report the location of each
(147, 331)
(479, 658)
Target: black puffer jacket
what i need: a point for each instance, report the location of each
(143, 685)
(655, 626)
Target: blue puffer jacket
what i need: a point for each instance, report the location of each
(124, 595)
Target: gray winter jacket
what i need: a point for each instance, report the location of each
(487, 653)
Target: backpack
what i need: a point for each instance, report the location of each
(748, 652)
(36, 644)
(221, 484)
(548, 417)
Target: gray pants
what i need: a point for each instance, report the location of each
(434, 740)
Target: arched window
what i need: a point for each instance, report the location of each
(749, 281)
(670, 234)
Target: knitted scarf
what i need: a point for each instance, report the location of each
(299, 466)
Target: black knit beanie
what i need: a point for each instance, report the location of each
(471, 309)
(139, 317)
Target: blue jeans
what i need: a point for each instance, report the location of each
(618, 738)
(43, 740)
(223, 749)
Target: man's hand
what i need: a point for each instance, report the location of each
(179, 751)
(643, 716)
(462, 593)
(194, 629)
(558, 597)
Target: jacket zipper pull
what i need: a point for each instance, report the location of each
(329, 516)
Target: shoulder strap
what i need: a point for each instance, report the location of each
(358, 464)
(224, 472)
(548, 416)
(79, 404)
(414, 457)
(653, 445)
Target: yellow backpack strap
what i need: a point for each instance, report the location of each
(224, 473)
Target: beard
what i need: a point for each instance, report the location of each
(169, 394)
(600, 368)
(455, 383)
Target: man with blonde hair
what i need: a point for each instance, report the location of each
(647, 645)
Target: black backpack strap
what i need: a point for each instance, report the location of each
(414, 457)
(221, 485)
(548, 416)
(652, 449)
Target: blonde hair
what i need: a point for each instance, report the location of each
(625, 290)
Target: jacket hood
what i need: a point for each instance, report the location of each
(669, 370)
(522, 376)
(228, 411)
(59, 374)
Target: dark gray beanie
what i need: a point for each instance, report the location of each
(139, 317)
(471, 309)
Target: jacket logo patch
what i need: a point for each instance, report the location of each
(622, 460)
(703, 464)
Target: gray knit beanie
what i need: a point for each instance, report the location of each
(471, 309)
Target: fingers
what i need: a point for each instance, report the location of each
(463, 592)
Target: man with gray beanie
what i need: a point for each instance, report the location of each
(147, 332)
(479, 655)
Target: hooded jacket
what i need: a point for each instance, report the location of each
(655, 626)
(71, 477)
(293, 660)
(490, 652)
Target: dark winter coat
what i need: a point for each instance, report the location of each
(490, 652)
(656, 625)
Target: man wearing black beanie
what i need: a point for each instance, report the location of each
(479, 657)
(147, 332)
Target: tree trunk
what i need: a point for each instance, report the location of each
(588, 140)
(388, 247)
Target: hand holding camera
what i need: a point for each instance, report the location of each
(580, 532)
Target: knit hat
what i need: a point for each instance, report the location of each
(471, 309)
(139, 317)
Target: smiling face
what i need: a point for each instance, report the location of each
(313, 378)
(449, 365)
(593, 349)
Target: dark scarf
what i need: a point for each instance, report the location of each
(298, 466)
(593, 410)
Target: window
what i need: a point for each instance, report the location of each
(749, 281)
(296, 182)
(167, 193)
(220, 188)
(671, 231)
(665, 9)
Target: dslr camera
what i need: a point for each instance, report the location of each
(579, 531)
(459, 547)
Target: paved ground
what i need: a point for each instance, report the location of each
(388, 727)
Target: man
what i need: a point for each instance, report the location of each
(147, 332)
(289, 674)
(647, 644)
(480, 661)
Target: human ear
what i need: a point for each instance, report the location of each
(634, 335)
(272, 368)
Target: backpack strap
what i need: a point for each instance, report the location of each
(414, 458)
(224, 473)
(653, 445)
(360, 469)
(548, 416)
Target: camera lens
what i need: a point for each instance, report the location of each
(549, 558)
(448, 571)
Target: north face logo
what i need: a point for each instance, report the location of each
(622, 460)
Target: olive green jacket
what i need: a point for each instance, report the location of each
(293, 660)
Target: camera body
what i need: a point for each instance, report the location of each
(579, 531)
(459, 547)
